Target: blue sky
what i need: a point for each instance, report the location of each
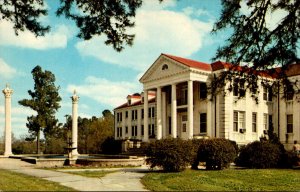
(103, 77)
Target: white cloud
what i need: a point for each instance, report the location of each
(105, 91)
(57, 38)
(6, 71)
(157, 31)
(191, 11)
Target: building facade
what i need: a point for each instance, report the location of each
(175, 103)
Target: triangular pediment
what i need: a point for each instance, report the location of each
(163, 67)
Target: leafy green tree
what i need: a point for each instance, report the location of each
(106, 17)
(45, 101)
(255, 42)
(84, 134)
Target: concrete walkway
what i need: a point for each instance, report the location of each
(127, 179)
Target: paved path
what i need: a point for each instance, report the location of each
(123, 180)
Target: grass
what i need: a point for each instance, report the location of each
(97, 174)
(12, 181)
(224, 180)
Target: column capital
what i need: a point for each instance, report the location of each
(7, 91)
(75, 97)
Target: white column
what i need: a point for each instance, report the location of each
(158, 113)
(139, 124)
(7, 132)
(146, 135)
(164, 113)
(190, 110)
(75, 99)
(174, 112)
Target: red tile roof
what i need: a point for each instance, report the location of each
(134, 104)
(190, 63)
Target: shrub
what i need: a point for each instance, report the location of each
(195, 143)
(289, 159)
(172, 155)
(259, 154)
(218, 153)
(111, 146)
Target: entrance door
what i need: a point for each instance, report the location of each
(184, 123)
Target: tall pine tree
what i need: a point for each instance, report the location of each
(45, 101)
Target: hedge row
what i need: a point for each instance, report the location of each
(176, 154)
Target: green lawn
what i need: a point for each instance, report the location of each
(12, 181)
(96, 174)
(225, 180)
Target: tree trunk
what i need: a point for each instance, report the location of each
(38, 142)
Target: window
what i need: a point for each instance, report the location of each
(267, 93)
(270, 121)
(235, 121)
(119, 131)
(238, 120)
(126, 114)
(203, 90)
(254, 121)
(126, 130)
(132, 115)
(289, 92)
(203, 119)
(289, 123)
(151, 131)
(239, 88)
(235, 90)
(134, 131)
(184, 127)
(142, 130)
(149, 112)
(265, 121)
(142, 113)
(153, 112)
(164, 67)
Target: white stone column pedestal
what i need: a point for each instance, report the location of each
(7, 132)
(75, 99)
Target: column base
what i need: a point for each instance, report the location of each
(75, 153)
(7, 154)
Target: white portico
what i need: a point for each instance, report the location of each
(173, 79)
(175, 103)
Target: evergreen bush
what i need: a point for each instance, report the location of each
(217, 153)
(260, 154)
(172, 155)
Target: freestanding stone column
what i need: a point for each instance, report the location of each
(7, 132)
(75, 99)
